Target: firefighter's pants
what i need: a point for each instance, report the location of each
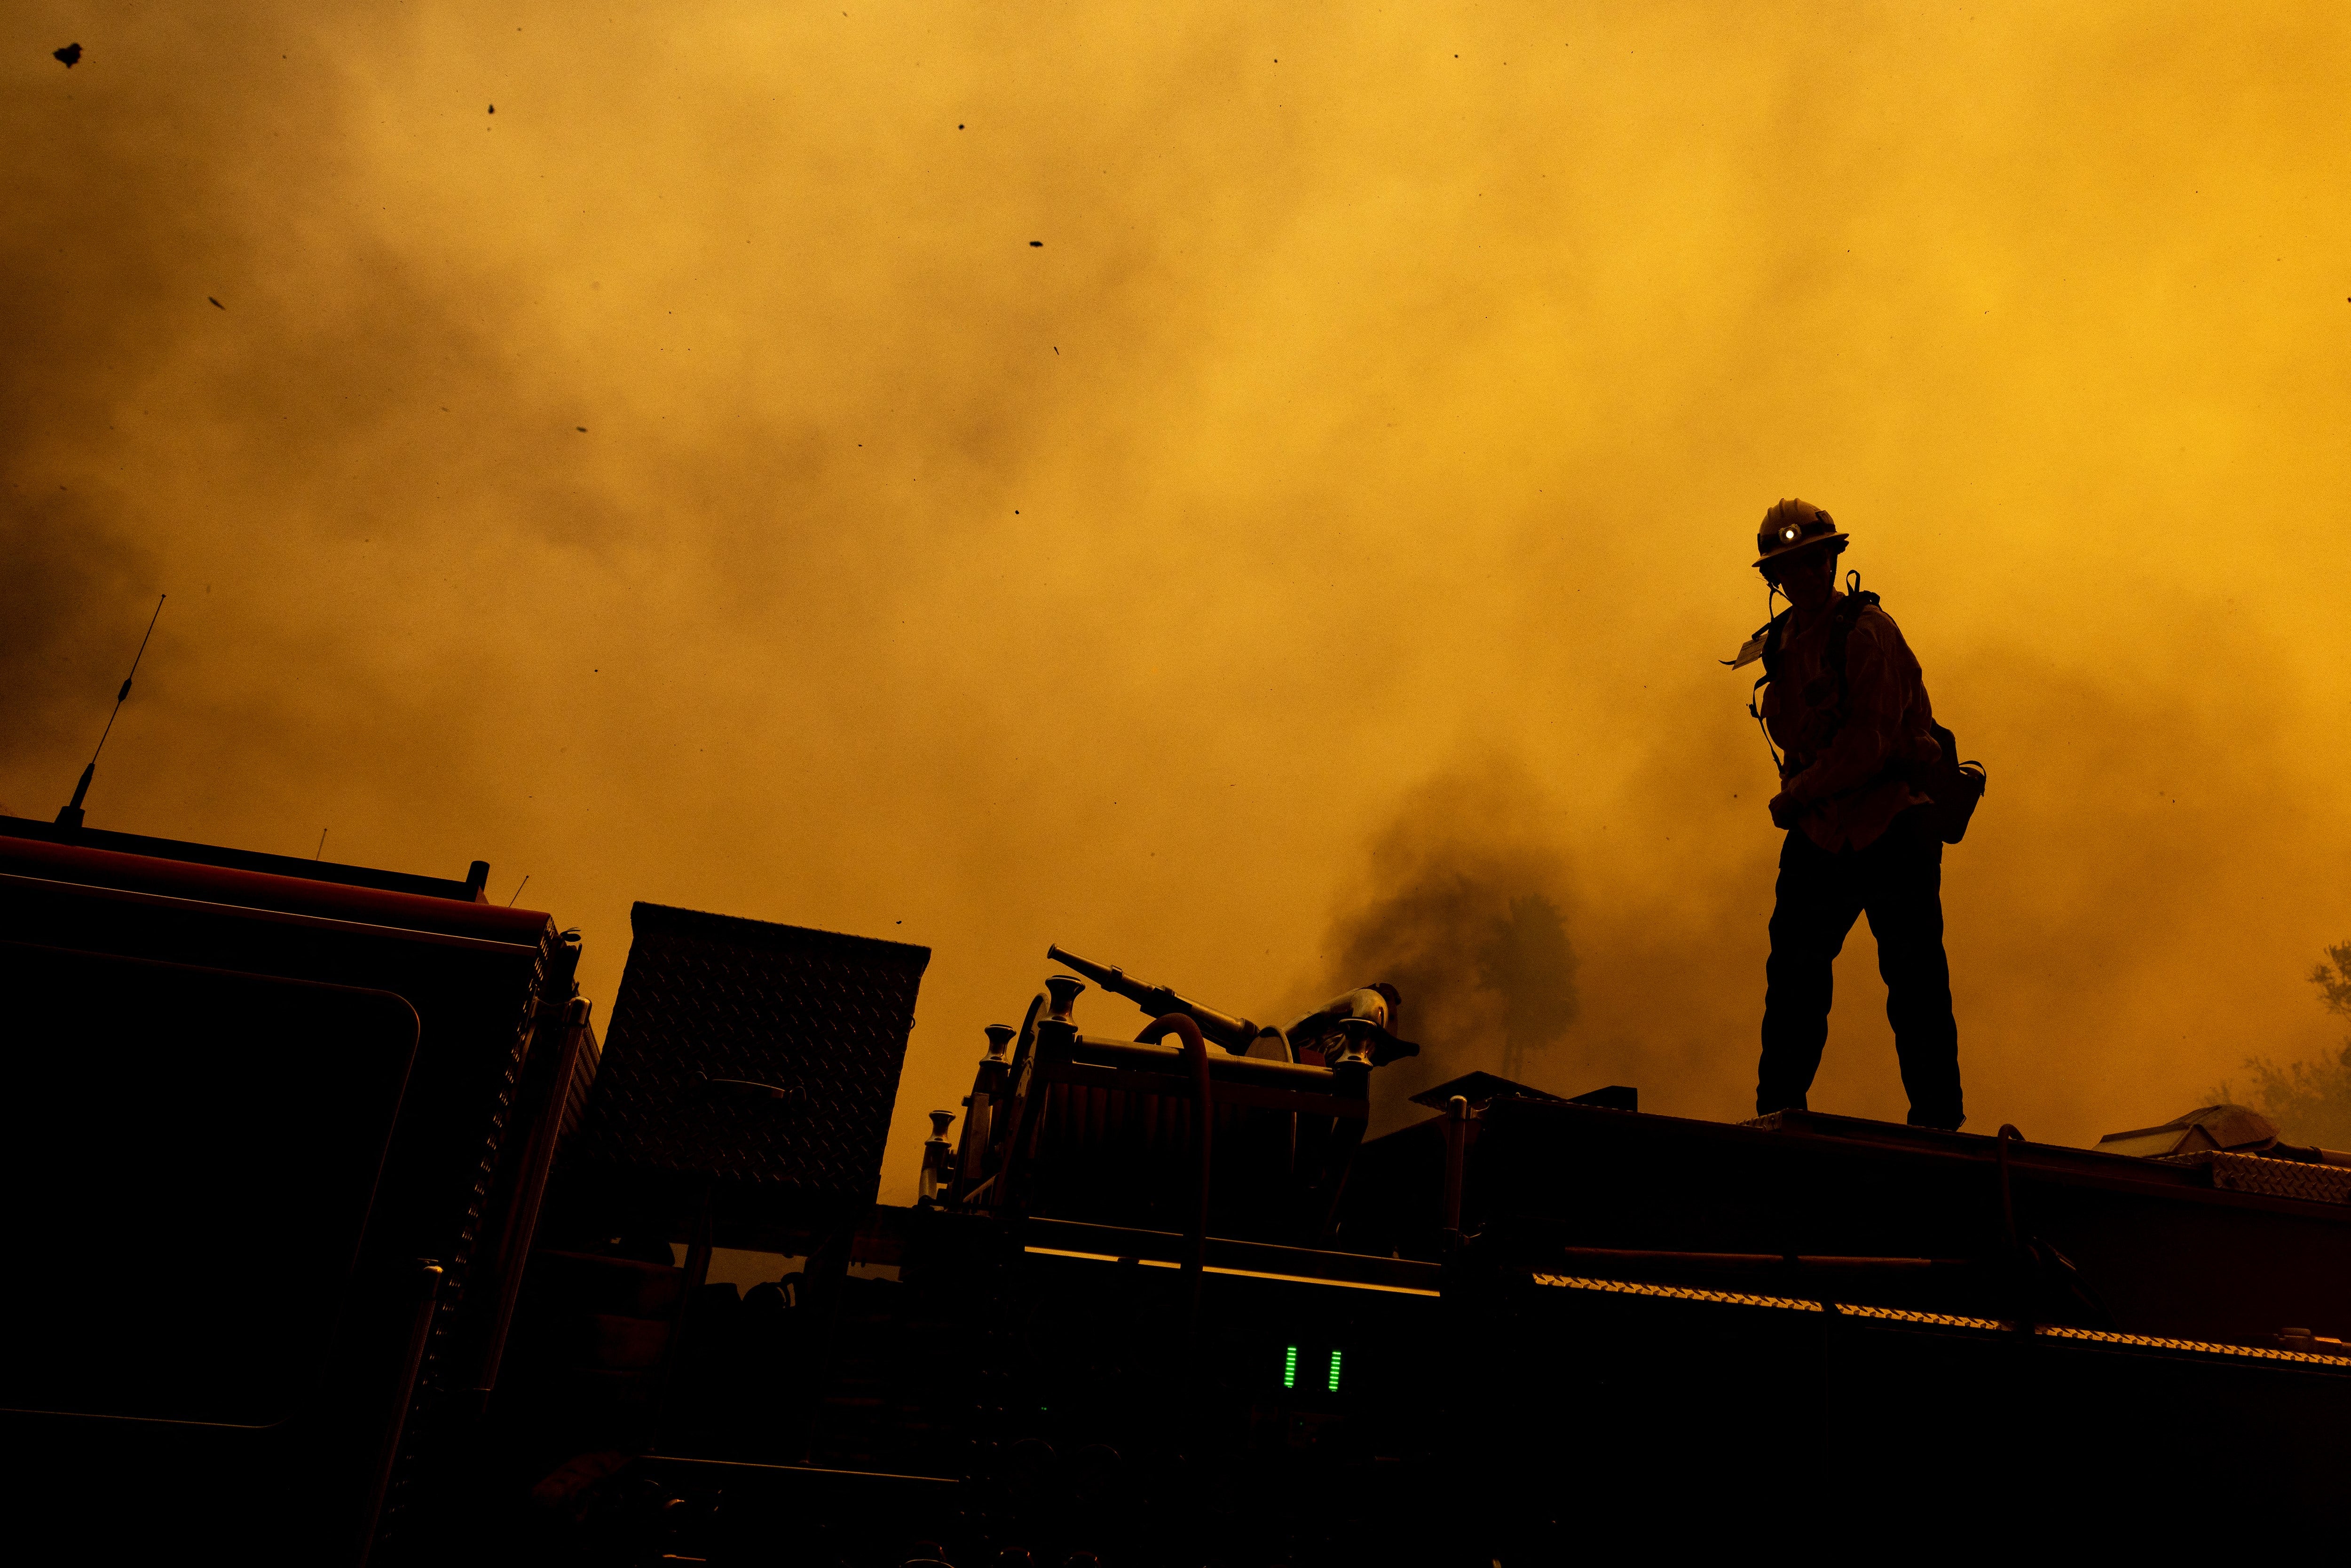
(1898, 882)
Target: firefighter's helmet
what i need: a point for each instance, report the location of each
(1793, 526)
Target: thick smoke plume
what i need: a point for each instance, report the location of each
(920, 471)
(1465, 915)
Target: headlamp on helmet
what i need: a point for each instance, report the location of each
(1793, 526)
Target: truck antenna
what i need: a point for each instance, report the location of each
(71, 816)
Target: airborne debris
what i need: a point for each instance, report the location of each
(217, 304)
(1037, 244)
(580, 428)
(494, 108)
(69, 54)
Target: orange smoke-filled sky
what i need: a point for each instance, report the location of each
(1161, 480)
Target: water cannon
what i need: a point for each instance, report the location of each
(1235, 1034)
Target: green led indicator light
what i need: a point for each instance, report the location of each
(1335, 1371)
(1289, 1367)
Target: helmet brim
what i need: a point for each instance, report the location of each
(1800, 547)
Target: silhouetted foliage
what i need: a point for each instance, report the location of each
(2333, 977)
(2311, 1101)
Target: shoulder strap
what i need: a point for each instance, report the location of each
(1770, 632)
(1848, 615)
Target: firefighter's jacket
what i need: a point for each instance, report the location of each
(1851, 769)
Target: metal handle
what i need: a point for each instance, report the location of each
(1457, 1136)
(1203, 1125)
(747, 1088)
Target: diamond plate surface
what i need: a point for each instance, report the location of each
(2270, 1177)
(821, 1016)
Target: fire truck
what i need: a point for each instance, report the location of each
(345, 1238)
